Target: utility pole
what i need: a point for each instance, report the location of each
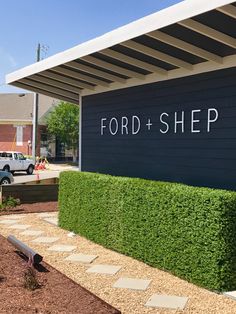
(35, 114)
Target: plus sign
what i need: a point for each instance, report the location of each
(149, 124)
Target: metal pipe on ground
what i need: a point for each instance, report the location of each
(34, 257)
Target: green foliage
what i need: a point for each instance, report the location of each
(63, 122)
(9, 202)
(189, 231)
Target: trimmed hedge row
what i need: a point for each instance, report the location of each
(189, 231)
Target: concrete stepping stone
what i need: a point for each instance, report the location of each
(167, 301)
(46, 215)
(52, 220)
(19, 227)
(132, 283)
(45, 240)
(230, 294)
(104, 269)
(13, 216)
(32, 233)
(62, 248)
(81, 258)
(8, 221)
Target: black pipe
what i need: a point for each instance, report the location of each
(34, 257)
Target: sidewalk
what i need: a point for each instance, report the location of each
(61, 167)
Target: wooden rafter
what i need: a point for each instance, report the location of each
(52, 89)
(209, 32)
(133, 61)
(80, 76)
(45, 92)
(229, 10)
(67, 80)
(55, 83)
(157, 54)
(113, 67)
(102, 74)
(178, 43)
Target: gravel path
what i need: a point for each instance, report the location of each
(200, 300)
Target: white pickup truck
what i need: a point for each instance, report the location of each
(15, 161)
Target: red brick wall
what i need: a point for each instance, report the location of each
(8, 138)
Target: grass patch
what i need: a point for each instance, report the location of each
(8, 203)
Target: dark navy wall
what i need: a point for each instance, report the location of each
(204, 158)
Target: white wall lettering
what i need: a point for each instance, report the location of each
(102, 125)
(212, 117)
(165, 123)
(113, 126)
(179, 121)
(174, 121)
(124, 125)
(135, 125)
(194, 121)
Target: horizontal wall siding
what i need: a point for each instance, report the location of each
(201, 150)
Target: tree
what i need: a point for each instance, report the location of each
(63, 122)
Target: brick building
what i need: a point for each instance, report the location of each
(16, 122)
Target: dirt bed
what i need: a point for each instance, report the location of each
(57, 294)
(31, 208)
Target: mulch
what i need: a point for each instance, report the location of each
(56, 294)
(31, 208)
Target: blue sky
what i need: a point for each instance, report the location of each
(60, 25)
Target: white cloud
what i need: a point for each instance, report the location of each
(6, 59)
(12, 60)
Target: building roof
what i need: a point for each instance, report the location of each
(191, 37)
(19, 107)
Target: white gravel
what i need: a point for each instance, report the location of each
(128, 301)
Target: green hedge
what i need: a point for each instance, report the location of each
(189, 231)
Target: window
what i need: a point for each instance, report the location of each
(21, 157)
(19, 135)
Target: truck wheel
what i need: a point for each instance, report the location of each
(5, 181)
(30, 169)
(6, 168)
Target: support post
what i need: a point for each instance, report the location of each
(80, 133)
(35, 115)
(0, 195)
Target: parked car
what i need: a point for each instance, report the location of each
(6, 178)
(15, 161)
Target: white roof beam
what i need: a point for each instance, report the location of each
(45, 92)
(113, 67)
(67, 80)
(133, 61)
(80, 76)
(229, 10)
(183, 45)
(157, 54)
(209, 32)
(54, 83)
(54, 90)
(96, 72)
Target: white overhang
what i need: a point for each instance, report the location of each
(194, 36)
